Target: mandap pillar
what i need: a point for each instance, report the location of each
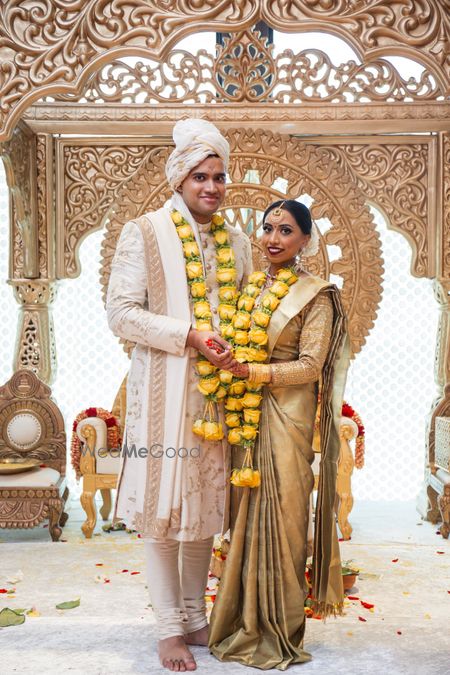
(35, 342)
(432, 500)
(28, 161)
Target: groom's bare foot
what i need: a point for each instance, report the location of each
(197, 637)
(174, 654)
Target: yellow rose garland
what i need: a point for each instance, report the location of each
(250, 338)
(212, 384)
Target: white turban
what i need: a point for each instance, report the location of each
(195, 139)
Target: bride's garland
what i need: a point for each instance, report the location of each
(244, 327)
(212, 384)
(243, 402)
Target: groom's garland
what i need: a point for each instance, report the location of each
(245, 327)
(212, 384)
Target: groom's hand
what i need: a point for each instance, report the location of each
(212, 346)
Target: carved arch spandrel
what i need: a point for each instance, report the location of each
(398, 179)
(48, 48)
(307, 169)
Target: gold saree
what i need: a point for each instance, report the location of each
(258, 617)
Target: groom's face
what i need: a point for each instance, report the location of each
(203, 189)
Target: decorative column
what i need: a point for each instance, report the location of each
(35, 342)
(437, 477)
(28, 161)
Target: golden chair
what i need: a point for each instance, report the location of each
(32, 431)
(348, 431)
(99, 464)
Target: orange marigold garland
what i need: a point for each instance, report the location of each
(114, 439)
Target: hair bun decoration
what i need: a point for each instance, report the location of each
(312, 247)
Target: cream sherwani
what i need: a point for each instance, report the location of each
(178, 487)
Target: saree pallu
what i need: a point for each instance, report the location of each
(258, 617)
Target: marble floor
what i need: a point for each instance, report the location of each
(405, 574)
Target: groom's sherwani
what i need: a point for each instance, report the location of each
(178, 487)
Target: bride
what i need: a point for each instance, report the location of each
(258, 617)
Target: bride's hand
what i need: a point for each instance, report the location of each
(239, 369)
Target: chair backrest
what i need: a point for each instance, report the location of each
(31, 424)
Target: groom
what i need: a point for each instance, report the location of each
(176, 493)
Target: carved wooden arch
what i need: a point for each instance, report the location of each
(48, 48)
(306, 169)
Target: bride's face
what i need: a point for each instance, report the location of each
(282, 238)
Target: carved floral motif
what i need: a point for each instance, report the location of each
(245, 70)
(396, 178)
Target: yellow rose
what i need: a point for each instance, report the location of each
(225, 376)
(237, 388)
(251, 400)
(241, 320)
(253, 387)
(261, 318)
(252, 290)
(208, 385)
(198, 289)
(234, 436)
(234, 477)
(232, 420)
(221, 237)
(228, 294)
(225, 275)
(221, 393)
(249, 432)
(233, 404)
(190, 249)
(176, 217)
(226, 312)
(257, 278)
(227, 331)
(194, 270)
(241, 354)
(259, 355)
(198, 428)
(213, 431)
(185, 232)
(225, 255)
(279, 288)
(270, 301)
(202, 310)
(203, 324)
(241, 337)
(217, 220)
(251, 416)
(246, 302)
(204, 367)
(246, 477)
(287, 276)
(258, 336)
(256, 478)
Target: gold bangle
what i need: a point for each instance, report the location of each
(259, 373)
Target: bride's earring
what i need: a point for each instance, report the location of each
(298, 260)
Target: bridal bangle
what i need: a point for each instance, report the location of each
(259, 373)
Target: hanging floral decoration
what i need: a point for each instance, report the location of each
(348, 411)
(248, 334)
(114, 439)
(212, 383)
